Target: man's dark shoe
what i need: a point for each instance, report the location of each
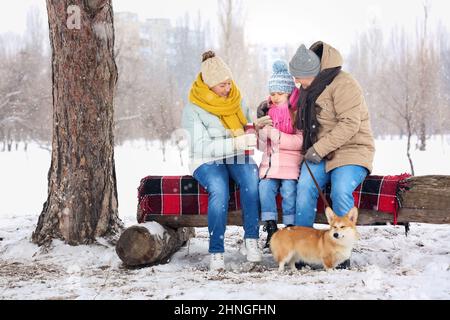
(344, 265)
(270, 227)
(300, 265)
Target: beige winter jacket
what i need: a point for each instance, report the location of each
(344, 134)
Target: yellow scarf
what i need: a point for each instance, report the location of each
(227, 109)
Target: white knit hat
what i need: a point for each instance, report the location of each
(214, 70)
(281, 80)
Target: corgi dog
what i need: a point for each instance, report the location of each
(328, 248)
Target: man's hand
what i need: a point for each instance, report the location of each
(312, 156)
(262, 122)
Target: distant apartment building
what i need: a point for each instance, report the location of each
(274, 52)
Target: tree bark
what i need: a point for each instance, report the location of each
(430, 192)
(82, 191)
(139, 246)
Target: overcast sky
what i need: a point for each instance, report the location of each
(273, 21)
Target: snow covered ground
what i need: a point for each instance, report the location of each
(385, 263)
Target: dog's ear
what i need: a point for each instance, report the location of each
(353, 215)
(330, 214)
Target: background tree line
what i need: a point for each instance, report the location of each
(405, 76)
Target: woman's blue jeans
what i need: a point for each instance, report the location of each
(344, 180)
(215, 177)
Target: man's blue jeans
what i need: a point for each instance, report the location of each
(268, 191)
(214, 177)
(344, 180)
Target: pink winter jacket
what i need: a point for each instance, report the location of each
(281, 153)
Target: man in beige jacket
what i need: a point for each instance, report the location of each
(338, 141)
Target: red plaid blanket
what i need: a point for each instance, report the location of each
(378, 193)
(181, 195)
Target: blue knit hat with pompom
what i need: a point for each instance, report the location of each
(281, 80)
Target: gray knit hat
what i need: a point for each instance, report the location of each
(304, 64)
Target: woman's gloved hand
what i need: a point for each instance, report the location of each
(245, 142)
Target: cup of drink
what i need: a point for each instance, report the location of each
(249, 128)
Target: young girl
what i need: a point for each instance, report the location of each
(281, 144)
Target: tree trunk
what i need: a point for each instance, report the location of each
(408, 143)
(423, 136)
(82, 192)
(180, 151)
(163, 150)
(150, 243)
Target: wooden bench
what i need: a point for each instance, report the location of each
(426, 200)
